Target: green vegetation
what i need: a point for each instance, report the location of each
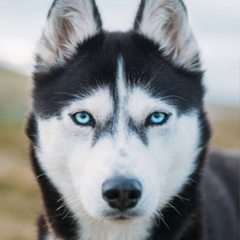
(19, 196)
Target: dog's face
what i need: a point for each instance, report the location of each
(118, 114)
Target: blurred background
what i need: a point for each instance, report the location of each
(216, 26)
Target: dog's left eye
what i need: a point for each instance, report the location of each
(83, 118)
(157, 118)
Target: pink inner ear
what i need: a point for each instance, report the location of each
(63, 37)
(70, 22)
(166, 23)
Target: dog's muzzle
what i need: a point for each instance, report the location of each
(122, 194)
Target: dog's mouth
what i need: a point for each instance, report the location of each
(122, 216)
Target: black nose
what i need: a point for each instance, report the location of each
(122, 194)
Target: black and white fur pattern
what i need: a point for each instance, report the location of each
(121, 79)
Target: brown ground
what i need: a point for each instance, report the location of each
(19, 196)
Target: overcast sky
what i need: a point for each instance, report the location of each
(215, 24)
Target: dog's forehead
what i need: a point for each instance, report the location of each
(125, 99)
(97, 64)
(134, 103)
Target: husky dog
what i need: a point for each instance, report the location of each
(118, 130)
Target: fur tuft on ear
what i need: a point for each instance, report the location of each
(166, 23)
(69, 23)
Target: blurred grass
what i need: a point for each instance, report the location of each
(19, 195)
(225, 122)
(226, 134)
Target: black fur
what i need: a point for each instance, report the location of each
(139, 16)
(96, 63)
(220, 191)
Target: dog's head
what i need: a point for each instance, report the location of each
(119, 115)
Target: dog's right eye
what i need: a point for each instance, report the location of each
(83, 119)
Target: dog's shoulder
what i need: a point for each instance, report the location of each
(225, 167)
(220, 188)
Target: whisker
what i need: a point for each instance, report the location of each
(162, 218)
(169, 204)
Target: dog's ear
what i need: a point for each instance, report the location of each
(69, 23)
(166, 23)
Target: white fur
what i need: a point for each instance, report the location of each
(79, 169)
(49, 237)
(122, 100)
(58, 42)
(165, 22)
(107, 230)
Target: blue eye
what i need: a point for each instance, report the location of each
(158, 118)
(82, 118)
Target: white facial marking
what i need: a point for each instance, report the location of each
(99, 104)
(122, 100)
(140, 104)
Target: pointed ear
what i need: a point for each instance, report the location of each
(69, 23)
(166, 23)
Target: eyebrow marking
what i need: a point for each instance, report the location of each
(140, 131)
(107, 130)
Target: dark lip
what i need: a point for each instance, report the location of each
(122, 216)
